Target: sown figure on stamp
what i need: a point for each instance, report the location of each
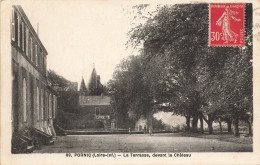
(224, 21)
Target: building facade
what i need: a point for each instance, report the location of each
(94, 106)
(34, 103)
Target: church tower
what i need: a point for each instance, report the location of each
(95, 87)
(83, 88)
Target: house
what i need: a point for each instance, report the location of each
(141, 124)
(94, 106)
(99, 110)
(34, 102)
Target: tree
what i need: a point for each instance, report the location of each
(229, 92)
(158, 124)
(176, 28)
(67, 92)
(131, 96)
(196, 81)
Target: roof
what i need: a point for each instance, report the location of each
(82, 85)
(94, 100)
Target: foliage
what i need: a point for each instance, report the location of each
(57, 81)
(188, 77)
(158, 124)
(177, 71)
(67, 92)
(131, 97)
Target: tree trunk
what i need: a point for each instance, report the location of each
(249, 128)
(201, 125)
(210, 127)
(188, 123)
(229, 123)
(236, 131)
(210, 121)
(149, 118)
(195, 123)
(220, 126)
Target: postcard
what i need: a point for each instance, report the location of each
(130, 82)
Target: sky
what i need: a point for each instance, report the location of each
(79, 35)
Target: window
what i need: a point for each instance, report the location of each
(27, 42)
(36, 55)
(24, 100)
(31, 48)
(13, 25)
(44, 65)
(54, 105)
(19, 20)
(41, 60)
(42, 104)
(46, 105)
(22, 36)
(37, 103)
(97, 111)
(50, 106)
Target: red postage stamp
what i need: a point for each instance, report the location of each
(226, 27)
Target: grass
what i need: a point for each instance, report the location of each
(225, 136)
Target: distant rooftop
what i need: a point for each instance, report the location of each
(94, 100)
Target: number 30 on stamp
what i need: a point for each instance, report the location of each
(227, 24)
